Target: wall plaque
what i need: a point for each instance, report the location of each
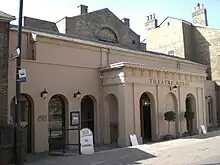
(42, 118)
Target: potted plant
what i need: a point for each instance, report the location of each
(169, 116)
(189, 115)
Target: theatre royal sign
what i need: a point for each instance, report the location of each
(168, 82)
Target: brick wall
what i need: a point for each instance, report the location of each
(4, 44)
(89, 26)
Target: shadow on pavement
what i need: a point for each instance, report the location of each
(121, 156)
(211, 164)
(204, 136)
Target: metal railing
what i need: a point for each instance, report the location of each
(60, 143)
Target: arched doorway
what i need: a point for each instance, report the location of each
(145, 117)
(87, 114)
(27, 118)
(113, 118)
(171, 105)
(57, 121)
(190, 105)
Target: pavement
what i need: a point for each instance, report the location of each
(197, 150)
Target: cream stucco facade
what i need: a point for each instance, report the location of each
(114, 78)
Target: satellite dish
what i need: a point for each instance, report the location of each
(14, 54)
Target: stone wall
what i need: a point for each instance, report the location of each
(105, 23)
(4, 44)
(207, 47)
(188, 41)
(168, 37)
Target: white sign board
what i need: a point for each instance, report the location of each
(86, 141)
(15, 54)
(204, 131)
(133, 139)
(22, 75)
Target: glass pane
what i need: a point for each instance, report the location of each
(56, 116)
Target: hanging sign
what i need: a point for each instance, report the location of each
(22, 75)
(86, 141)
(14, 54)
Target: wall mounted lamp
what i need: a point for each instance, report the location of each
(146, 103)
(77, 94)
(43, 94)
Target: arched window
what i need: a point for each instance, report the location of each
(108, 35)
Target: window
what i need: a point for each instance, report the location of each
(171, 52)
(210, 111)
(108, 35)
(133, 41)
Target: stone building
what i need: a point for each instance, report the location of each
(194, 41)
(122, 88)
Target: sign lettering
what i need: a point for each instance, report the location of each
(168, 82)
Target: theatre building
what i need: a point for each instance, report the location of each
(124, 88)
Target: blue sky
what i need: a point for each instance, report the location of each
(136, 10)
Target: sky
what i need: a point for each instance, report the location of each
(136, 10)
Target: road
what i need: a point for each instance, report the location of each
(177, 152)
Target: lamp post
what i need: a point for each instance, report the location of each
(17, 144)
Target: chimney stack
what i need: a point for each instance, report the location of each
(83, 9)
(126, 22)
(151, 22)
(199, 15)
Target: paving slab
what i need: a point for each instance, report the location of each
(176, 152)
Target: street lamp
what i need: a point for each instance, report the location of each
(17, 136)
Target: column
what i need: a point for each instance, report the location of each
(126, 114)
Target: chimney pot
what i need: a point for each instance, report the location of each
(198, 5)
(151, 17)
(83, 9)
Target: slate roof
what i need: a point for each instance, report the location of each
(7, 17)
(40, 24)
(182, 20)
(57, 34)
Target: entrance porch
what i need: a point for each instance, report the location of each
(141, 97)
